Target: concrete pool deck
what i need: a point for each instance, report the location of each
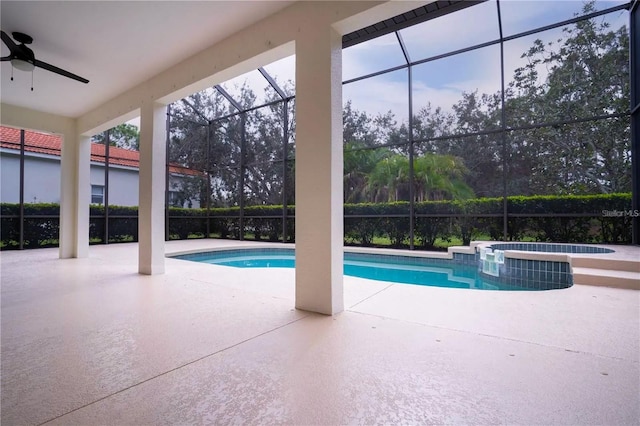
(89, 341)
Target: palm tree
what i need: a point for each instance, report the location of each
(435, 177)
(388, 177)
(439, 177)
(358, 165)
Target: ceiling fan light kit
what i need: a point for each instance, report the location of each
(22, 58)
(22, 65)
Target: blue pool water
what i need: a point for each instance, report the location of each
(398, 269)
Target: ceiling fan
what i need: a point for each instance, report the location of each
(22, 57)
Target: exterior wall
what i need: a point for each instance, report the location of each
(123, 185)
(42, 180)
(9, 177)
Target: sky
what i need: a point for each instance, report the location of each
(439, 82)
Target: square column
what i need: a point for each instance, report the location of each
(75, 196)
(319, 170)
(151, 189)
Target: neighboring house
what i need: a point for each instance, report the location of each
(42, 172)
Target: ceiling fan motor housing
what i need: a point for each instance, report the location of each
(22, 37)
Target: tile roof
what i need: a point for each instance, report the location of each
(43, 143)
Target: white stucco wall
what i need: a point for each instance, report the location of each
(41, 178)
(123, 185)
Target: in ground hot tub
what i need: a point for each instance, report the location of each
(540, 266)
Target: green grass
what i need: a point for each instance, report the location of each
(440, 243)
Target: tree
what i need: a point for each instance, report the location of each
(480, 154)
(587, 76)
(358, 127)
(431, 123)
(125, 136)
(242, 154)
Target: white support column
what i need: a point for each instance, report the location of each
(152, 189)
(319, 169)
(75, 195)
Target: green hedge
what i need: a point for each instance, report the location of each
(560, 219)
(40, 229)
(123, 224)
(265, 223)
(185, 223)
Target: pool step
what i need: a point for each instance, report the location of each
(608, 264)
(606, 278)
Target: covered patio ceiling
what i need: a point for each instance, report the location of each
(115, 45)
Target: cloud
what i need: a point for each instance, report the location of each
(523, 15)
(473, 25)
(134, 122)
(371, 56)
(378, 96)
(283, 70)
(253, 80)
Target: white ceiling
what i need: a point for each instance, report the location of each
(115, 45)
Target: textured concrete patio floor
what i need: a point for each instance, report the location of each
(89, 341)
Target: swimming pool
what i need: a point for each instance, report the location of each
(397, 269)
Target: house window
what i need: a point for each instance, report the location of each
(97, 194)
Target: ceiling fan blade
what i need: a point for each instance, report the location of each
(60, 71)
(5, 58)
(8, 41)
